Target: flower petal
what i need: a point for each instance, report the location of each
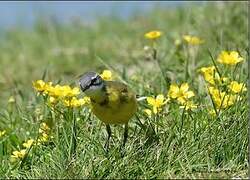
(173, 91)
(159, 99)
(151, 101)
(184, 87)
(148, 112)
(155, 110)
(189, 94)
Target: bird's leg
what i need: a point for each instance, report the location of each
(109, 135)
(125, 135)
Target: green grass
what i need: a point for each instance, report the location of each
(185, 145)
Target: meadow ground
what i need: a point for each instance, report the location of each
(200, 132)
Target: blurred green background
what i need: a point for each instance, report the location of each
(67, 49)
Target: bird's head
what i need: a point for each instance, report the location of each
(91, 84)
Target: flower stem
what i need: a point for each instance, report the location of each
(154, 55)
(73, 137)
(182, 122)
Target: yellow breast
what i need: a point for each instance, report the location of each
(118, 106)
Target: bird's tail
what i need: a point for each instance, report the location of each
(140, 98)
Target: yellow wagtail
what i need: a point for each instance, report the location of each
(112, 102)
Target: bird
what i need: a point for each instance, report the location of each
(112, 102)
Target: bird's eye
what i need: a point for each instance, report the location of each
(96, 81)
(93, 80)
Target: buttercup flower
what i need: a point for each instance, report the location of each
(153, 34)
(73, 92)
(157, 102)
(106, 75)
(236, 87)
(44, 137)
(42, 87)
(52, 100)
(212, 112)
(193, 40)
(148, 112)
(39, 85)
(29, 143)
(55, 91)
(74, 102)
(18, 154)
(221, 99)
(43, 133)
(86, 99)
(211, 75)
(44, 128)
(182, 94)
(63, 91)
(229, 57)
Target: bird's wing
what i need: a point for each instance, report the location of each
(119, 92)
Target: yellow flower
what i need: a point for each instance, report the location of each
(212, 112)
(67, 102)
(217, 96)
(11, 99)
(43, 133)
(47, 87)
(223, 79)
(81, 102)
(29, 143)
(55, 91)
(229, 57)
(153, 34)
(209, 74)
(42, 86)
(44, 137)
(212, 76)
(236, 87)
(62, 91)
(52, 100)
(148, 112)
(182, 94)
(189, 105)
(157, 102)
(221, 99)
(73, 92)
(39, 85)
(106, 75)
(74, 102)
(18, 154)
(44, 128)
(87, 100)
(2, 133)
(193, 40)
